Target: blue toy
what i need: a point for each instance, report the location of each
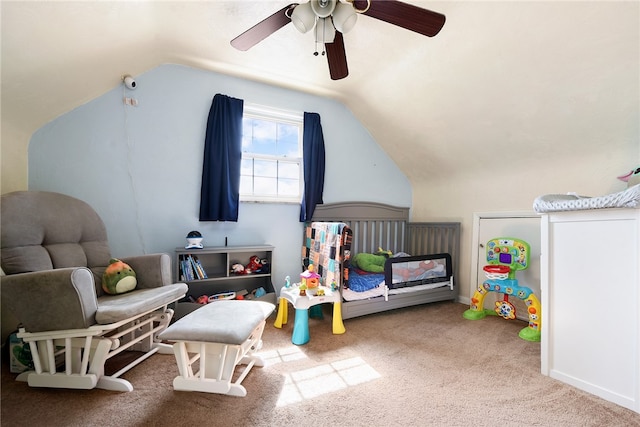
(505, 257)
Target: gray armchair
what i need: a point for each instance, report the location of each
(54, 252)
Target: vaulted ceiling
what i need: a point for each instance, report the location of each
(509, 75)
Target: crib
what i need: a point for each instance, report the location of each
(368, 226)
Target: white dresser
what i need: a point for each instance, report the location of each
(590, 285)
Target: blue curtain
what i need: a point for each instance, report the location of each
(220, 190)
(313, 162)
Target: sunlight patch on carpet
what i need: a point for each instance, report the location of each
(282, 355)
(310, 383)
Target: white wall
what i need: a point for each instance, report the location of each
(551, 105)
(140, 167)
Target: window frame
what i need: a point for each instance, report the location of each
(278, 116)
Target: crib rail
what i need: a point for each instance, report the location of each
(374, 225)
(370, 235)
(434, 238)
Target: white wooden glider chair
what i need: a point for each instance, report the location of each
(54, 252)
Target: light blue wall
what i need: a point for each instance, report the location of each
(140, 167)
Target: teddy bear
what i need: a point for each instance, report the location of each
(372, 263)
(118, 277)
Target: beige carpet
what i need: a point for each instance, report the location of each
(417, 366)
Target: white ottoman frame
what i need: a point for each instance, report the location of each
(220, 336)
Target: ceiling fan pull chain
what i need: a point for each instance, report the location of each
(324, 27)
(315, 39)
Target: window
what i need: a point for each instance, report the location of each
(271, 155)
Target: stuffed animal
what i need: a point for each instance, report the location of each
(238, 268)
(372, 263)
(266, 267)
(118, 278)
(254, 265)
(632, 178)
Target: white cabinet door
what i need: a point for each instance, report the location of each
(524, 226)
(591, 297)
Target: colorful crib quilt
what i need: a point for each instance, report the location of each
(327, 245)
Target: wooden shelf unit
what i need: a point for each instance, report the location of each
(217, 263)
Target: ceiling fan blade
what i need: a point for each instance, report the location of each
(408, 16)
(263, 29)
(337, 58)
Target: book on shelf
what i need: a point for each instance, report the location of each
(191, 268)
(186, 270)
(197, 267)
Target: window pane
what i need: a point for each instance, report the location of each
(265, 168)
(264, 137)
(288, 187)
(289, 149)
(246, 167)
(246, 184)
(288, 170)
(266, 186)
(247, 134)
(287, 140)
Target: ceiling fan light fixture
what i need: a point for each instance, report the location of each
(303, 17)
(323, 8)
(325, 33)
(344, 17)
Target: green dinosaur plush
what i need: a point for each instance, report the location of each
(118, 278)
(373, 263)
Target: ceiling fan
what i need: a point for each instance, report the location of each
(333, 18)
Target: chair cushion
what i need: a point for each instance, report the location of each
(225, 321)
(115, 308)
(46, 230)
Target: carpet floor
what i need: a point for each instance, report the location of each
(417, 366)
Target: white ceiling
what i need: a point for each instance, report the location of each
(509, 75)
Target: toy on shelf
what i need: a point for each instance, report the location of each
(259, 292)
(506, 256)
(206, 299)
(255, 266)
(237, 268)
(194, 240)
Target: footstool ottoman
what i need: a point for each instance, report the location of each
(221, 335)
